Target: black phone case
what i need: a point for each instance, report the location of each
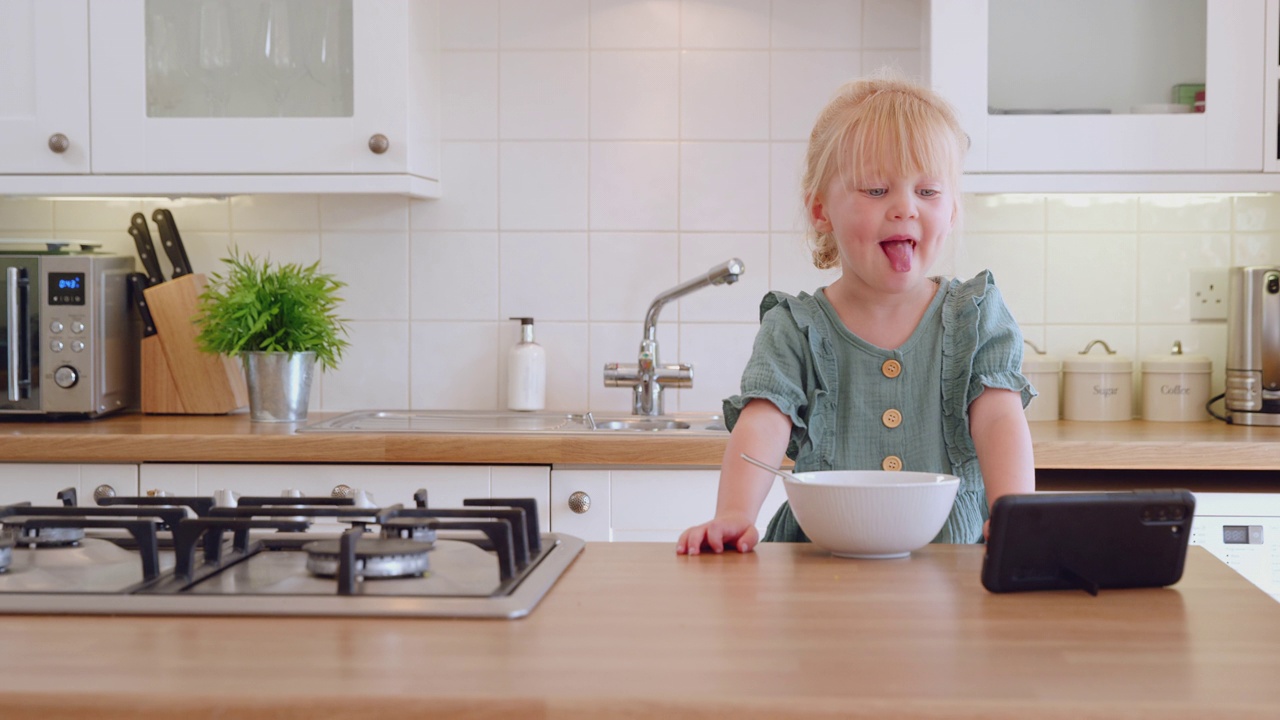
(1088, 541)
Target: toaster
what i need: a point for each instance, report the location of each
(1253, 346)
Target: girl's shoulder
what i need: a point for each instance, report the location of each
(801, 308)
(975, 289)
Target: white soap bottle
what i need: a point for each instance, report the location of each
(526, 371)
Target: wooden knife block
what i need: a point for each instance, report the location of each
(177, 377)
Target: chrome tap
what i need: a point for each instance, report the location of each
(647, 377)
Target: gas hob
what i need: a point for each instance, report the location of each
(284, 555)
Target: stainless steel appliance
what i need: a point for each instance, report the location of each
(69, 343)
(1243, 531)
(229, 555)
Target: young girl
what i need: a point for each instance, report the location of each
(886, 367)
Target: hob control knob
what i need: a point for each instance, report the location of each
(66, 377)
(579, 502)
(342, 491)
(103, 491)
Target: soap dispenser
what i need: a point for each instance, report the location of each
(526, 371)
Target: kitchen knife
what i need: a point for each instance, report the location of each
(172, 242)
(138, 283)
(146, 250)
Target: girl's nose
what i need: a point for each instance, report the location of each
(903, 206)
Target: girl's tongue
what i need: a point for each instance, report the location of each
(899, 252)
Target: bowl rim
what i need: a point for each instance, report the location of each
(939, 479)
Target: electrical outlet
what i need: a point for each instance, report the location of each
(1209, 294)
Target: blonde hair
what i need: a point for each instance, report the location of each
(885, 123)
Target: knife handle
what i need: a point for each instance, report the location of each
(138, 283)
(146, 250)
(172, 242)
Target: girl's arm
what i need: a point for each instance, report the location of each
(1003, 441)
(762, 431)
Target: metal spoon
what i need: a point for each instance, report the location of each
(776, 471)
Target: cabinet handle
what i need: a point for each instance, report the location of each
(379, 144)
(59, 143)
(103, 491)
(342, 491)
(579, 502)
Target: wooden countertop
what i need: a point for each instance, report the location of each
(233, 438)
(633, 630)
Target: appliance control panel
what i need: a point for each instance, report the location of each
(1243, 531)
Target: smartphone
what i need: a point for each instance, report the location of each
(1088, 541)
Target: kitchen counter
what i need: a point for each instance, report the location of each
(233, 438)
(633, 630)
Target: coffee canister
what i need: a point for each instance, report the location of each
(1097, 387)
(1175, 387)
(1044, 373)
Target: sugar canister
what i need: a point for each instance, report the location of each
(1044, 373)
(1097, 387)
(1175, 387)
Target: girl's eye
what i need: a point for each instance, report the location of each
(876, 192)
(928, 192)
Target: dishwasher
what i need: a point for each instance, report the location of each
(1242, 530)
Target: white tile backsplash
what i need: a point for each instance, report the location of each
(630, 24)
(597, 152)
(724, 95)
(724, 186)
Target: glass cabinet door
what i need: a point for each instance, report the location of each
(1104, 85)
(266, 58)
(44, 86)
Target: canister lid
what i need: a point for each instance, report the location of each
(1037, 361)
(1175, 362)
(1108, 362)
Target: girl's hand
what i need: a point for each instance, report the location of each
(735, 532)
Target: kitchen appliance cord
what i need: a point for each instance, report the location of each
(1209, 407)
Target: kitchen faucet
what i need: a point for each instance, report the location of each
(647, 377)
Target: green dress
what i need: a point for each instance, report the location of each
(856, 406)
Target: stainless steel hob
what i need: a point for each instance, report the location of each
(278, 556)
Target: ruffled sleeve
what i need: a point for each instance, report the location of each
(789, 365)
(981, 348)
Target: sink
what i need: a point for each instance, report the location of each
(500, 422)
(643, 424)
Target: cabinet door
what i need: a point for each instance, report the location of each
(39, 483)
(658, 505)
(266, 86)
(1055, 132)
(44, 86)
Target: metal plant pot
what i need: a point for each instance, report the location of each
(279, 385)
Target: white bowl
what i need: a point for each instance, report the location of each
(871, 513)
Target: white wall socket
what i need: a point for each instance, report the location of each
(1209, 294)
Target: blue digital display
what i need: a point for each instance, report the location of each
(66, 288)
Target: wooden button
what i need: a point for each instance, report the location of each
(891, 368)
(891, 418)
(893, 462)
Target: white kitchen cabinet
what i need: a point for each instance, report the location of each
(39, 483)
(1048, 87)
(1271, 112)
(639, 504)
(197, 98)
(446, 485)
(44, 86)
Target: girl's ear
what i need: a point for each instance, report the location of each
(818, 214)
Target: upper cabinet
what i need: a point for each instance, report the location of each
(1107, 86)
(216, 97)
(44, 86)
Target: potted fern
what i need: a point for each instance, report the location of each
(281, 320)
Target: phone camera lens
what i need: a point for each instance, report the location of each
(1273, 284)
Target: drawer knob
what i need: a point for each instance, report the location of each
(579, 502)
(59, 143)
(103, 491)
(379, 144)
(342, 491)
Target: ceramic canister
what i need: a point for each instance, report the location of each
(1044, 374)
(1175, 387)
(1097, 387)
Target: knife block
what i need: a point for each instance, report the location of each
(177, 377)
